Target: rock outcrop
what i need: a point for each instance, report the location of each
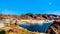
(53, 29)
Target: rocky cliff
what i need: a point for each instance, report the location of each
(53, 29)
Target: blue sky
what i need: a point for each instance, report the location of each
(19, 7)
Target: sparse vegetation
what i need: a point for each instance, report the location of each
(12, 25)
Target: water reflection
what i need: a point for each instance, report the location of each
(36, 27)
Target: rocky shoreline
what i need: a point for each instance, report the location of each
(32, 19)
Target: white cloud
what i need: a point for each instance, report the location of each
(57, 13)
(50, 3)
(6, 11)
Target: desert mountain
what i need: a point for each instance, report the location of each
(32, 16)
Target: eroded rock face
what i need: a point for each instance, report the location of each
(54, 28)
(36, 17)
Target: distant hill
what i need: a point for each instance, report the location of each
(29, 16)
(32, 16)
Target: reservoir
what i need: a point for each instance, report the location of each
(36, 27)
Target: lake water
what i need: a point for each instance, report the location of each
(36, 27)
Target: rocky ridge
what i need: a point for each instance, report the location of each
(36, 17)
(32, 16)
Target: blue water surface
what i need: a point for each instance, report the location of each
(36, 27)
